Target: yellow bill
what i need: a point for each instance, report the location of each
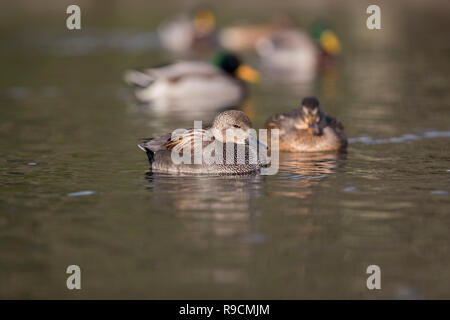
(247, 73)
(330, 42)
(204, 21)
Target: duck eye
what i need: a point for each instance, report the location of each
(236, 126)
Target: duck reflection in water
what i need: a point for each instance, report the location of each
(207, 197)
(301, 172)
(215, 213)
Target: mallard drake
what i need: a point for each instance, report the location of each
(230, 128)
(188, 32)
(222, 80)
(308, 129)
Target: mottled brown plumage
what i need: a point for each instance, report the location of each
(308, 129)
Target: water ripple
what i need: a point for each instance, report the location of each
(401, 139)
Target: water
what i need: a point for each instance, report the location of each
(74, 188)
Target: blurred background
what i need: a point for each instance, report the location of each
(74, 188)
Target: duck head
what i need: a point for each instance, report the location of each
(233, 126)
(311, 115)
(232, 65)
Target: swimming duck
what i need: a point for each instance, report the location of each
(222, 80)
(230, 127)
(308, 129)
(188, 32)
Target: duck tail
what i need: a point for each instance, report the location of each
(138, 79)
(150, 153)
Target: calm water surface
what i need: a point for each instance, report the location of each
(75, 189)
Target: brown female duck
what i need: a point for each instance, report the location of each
(308, 129)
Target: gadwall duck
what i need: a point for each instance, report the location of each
(231, 123)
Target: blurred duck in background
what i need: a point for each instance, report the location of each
(286, 52)
(295, 51)
(243, 37)
(289, 51)
(188, 32)
(308, 129)
(194, 84)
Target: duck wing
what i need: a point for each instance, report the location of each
(154, 144)
(175, 141)
(185, 139)
(186, 67)
(338, 128)
(334, 123)
(172, 73)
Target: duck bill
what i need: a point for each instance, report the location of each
(330, 43)
(204, 21)
(247, 73)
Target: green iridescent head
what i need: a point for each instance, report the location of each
(232, 65)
